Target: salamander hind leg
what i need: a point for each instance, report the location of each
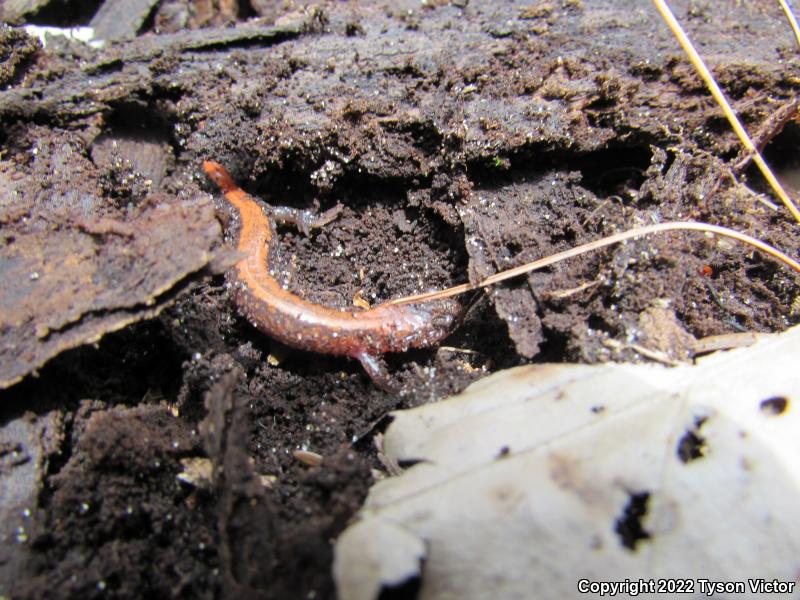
(376, 371)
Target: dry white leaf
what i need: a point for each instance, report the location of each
(542, 476)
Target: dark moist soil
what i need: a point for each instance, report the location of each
(148, 431)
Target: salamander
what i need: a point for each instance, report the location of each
(360, 334)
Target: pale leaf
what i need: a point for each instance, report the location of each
(540, 476)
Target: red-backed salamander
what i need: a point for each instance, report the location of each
(288, 318)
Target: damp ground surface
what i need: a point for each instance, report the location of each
(148, 430)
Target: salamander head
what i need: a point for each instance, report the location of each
(217, 173)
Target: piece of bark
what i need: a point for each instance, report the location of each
(508, 226)
(16, 51)
(120, 19)
(121, 72)
(243, 506)
(27, 444)
(66, 286)
(12, 10)
(144, 153)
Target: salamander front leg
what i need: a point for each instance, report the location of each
(304, 220)
(376, 371)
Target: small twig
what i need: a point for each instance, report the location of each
(310, 459)
(656, 355)
(792, 20)
(602, 243)
(715, 90)
(389, 463)
(564, 294)
(768, 130)
(759, 198)
(725, 341)
(458, 350)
